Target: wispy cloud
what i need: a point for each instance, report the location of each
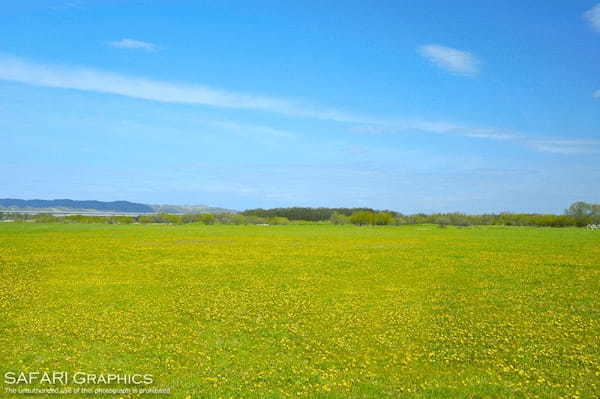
(572, 146)
(252, 130)
(597, 94)
(593, 17)
(133, 44)
(439, 127)
(452, 60)
(65, 5)
(566, 147)
(86, 79)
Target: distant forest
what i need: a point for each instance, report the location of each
(579, 214)
(308, 214)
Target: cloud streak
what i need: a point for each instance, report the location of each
(438, 127)
(87, 79)
(566, 147)
(74, 4)
(573, 146)
(252, 130)
(450, 59)
(592, 16)
(133, 44)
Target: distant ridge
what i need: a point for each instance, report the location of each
(67, 204)
(75, 206)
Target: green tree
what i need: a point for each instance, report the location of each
(362, 218)
(382, 218)
(278, 220)
(207, 218)
(338, 218)
(442, 221)
(580, 209)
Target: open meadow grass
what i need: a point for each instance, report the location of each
(307, 310)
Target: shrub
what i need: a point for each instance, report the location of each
(206, 218)
(443, 221)
(361, 218)
(382, 218)
(338, 218)
(278, 220)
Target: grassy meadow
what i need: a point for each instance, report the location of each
(307, 310)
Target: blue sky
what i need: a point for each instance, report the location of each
(436, 106)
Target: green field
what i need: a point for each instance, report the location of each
(307, 310)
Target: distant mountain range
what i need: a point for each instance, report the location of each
(67, 205)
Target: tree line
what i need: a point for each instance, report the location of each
(579, 214)
(304, 213)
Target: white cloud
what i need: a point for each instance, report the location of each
(86, 79)
(252, 130)
(566, 147)
(597, 94)
(48, 75)
(573, 146)
(450, 59)
(438, 127)
(593, 17)
(65, 5)
(133, 44)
